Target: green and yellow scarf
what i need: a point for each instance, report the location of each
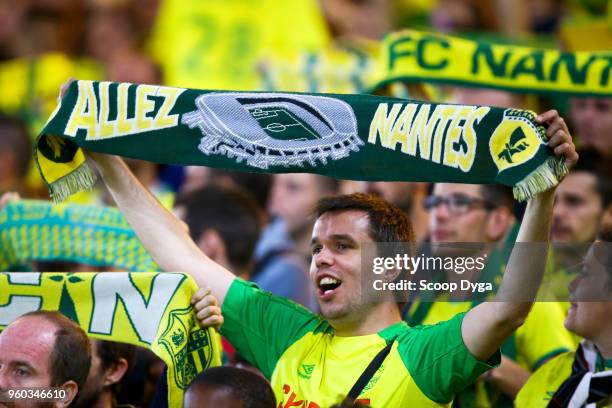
(419, 56)
(150, 310)
(358, 137)
(99, 236)
(411, 56)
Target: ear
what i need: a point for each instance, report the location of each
(71, 389)
(498, 223)
(114, 374)
(606, 218)
(391, 275)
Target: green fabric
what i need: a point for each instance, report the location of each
(358, 137)
(410, 55)
(261, 326)
(439, 361)
(33, 230)
(603, 364)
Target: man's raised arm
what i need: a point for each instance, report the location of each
(486, 326)
(161, 233)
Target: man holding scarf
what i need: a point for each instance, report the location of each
(429, 364)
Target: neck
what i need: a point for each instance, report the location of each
(105, 400)
(604, 344)
(377, 318)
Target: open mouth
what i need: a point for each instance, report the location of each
(573, 304)
(328, 286)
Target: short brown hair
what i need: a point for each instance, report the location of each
(71, 355)
(387, 222)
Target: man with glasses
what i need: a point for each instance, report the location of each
(462, 214)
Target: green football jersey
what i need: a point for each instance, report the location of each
(309, 366)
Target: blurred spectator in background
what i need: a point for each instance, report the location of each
(110, 362)
(407, 196)
(229, 387)
(225, 223)
(292, 199)
(277, 266)
(564, 380)
(486, 96)
(583, 207)
(12, 16)
(370, 19)
(592, 120)
(582, 200)
(15, 154)
(483, 214)
(110, 31)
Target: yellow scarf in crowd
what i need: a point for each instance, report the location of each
(150, 310)
(418, 56)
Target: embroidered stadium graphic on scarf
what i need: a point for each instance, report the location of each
(357, 137)
(150, 310)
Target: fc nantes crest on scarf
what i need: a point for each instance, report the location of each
(150, 310)
(357, 137)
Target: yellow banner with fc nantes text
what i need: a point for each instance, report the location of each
(150, 310)
(412, 55)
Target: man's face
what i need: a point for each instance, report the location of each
(292, 198)
(25, 347)
(458, 223)
(588, 318)
(335, 268)
(577, 211)
(592, 119)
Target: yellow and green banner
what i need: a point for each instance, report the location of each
(150, 310)
(419, 56)
(97, 236)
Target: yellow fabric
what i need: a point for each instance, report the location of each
(310, 367)
(541, 334)
(430, 57)
(542, 384)
(342, 68)
(33, 84)
(30, 87)
(217, 44)
(335, 363)
(581, 34)
(150, 310)
(54, 171)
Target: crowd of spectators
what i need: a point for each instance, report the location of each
(259, 225)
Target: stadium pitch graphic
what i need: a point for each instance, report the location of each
(274, 129)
